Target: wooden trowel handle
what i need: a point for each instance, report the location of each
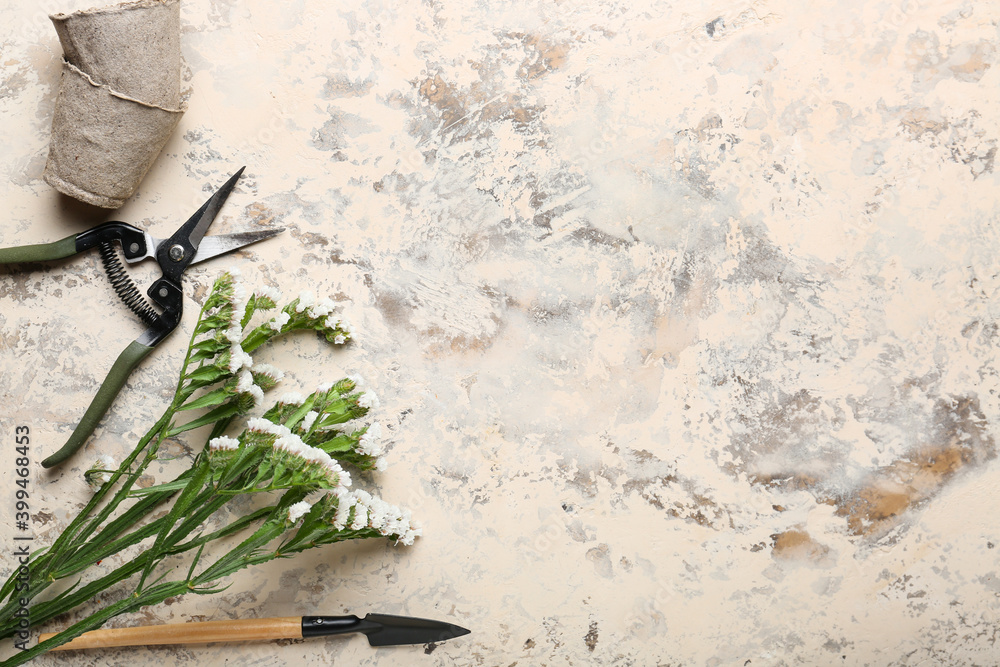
(243, 630)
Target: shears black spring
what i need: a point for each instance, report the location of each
(124, 287)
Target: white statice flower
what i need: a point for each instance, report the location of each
(357, 380)
(268, 427)
(291, 444)
(239, 300)
(409, 535)
(309, 420)
(298, 510)
(245, 382)
(345, 502)
(379, 512)
(361, 508)
(245, 388)
(246, 361)
(306, 299)
(276, 374)
(375, 513)
(223, 443)
(292, 398)
(235, 359)
(320, 309)
(278, 321)
(341, 325)
(234, 335)
(400, 523)
(294, 445)
(342, 475)
(268, 293)
(368, 444)
(334, 472)
(232, 290)
(256, 393)
(368, 400)
(100, 471)
(238, 359)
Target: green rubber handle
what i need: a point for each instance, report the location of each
(122, 368)
(39, 253)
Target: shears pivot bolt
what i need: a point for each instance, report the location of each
(176, 252)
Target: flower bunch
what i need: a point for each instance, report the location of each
(304, 312)
(348, 515)
(278, 456)
(295, 449)
(221, 351)
(328, 419)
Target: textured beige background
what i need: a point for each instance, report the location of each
(683, 317)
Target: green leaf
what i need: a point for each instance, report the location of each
(209, 400)
(208, 348)
(175, 485)
(248, 313)
(257, 337)
(194, 561)
(339, 443)
(207, 374)
(219, 321)
(301, 411)
(180, 509)
(247, 458)
(221, 412)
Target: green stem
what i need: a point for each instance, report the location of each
(97, 547)
(79, 533)
(79, 530)
(247, 552)
(46, 562)
(50, 609)
(128, 540)
(73, 546)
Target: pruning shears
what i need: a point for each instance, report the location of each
(187, 246)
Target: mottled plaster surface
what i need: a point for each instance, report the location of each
(683, 317)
